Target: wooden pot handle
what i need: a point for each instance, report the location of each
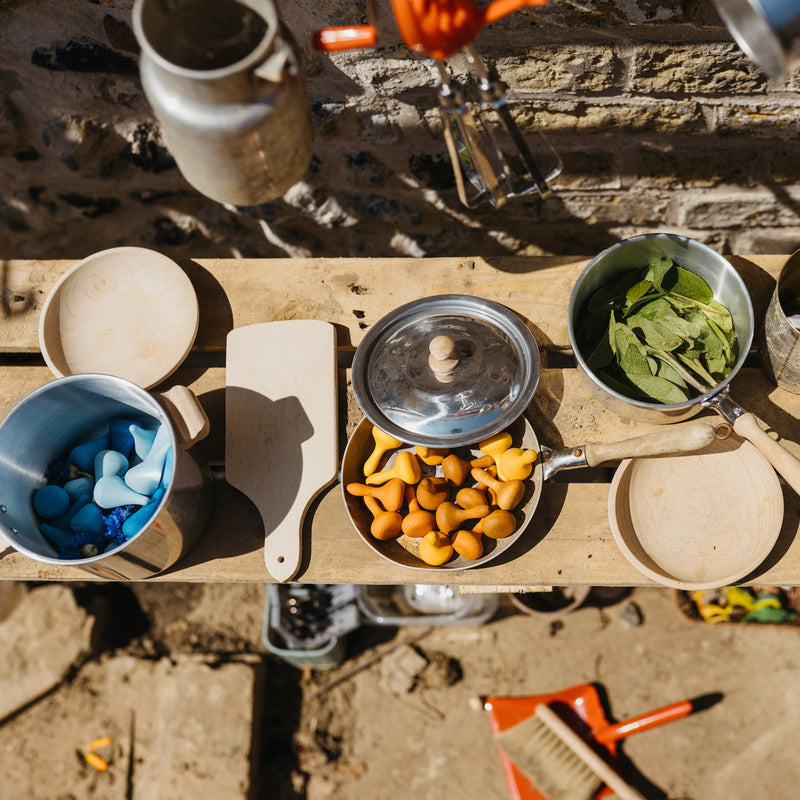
(188, 417)
(680, 438)
(781, 459)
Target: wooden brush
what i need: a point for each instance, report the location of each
(560, 763)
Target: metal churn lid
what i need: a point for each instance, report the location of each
(446, 371)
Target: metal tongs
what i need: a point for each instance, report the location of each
(439, 29)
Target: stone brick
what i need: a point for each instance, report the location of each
(765, 119)
(612, 117)
(783, 163)
(695, 68)
(737, 209)
(700, 168)
(572, 68)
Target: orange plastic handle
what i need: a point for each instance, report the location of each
(643, 722)
(502, 8)
(345, 37)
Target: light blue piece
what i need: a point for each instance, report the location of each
(142, 440)
(136, 521)
(146, 477)
(111, 491)
(121, 435)
(88, 519)
(77, 487)
(65, 520)
(50, 501)
(83, 455)
(58, 536)
(109, 462)
(167, 471)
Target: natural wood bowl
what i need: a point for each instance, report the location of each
(698, 520)
(127, 311)
(404, 550)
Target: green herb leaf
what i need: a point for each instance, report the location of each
(687, 284)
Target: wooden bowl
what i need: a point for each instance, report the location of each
(127, 311)
(699, 520)
(404, 550)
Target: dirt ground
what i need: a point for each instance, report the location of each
(402, 715)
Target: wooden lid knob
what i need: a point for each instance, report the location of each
(442, 357)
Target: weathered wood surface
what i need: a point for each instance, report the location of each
(569, 541)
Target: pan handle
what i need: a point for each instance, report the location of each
(643, 722)
(680, 438)
(781, 459)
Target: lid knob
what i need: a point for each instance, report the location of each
(442, 358)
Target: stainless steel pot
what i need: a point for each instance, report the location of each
(728, 288)
(74, 409)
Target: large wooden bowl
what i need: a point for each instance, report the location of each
(699, 520)
(404, 550)
(128, 311)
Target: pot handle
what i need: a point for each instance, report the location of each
(680, 438)
(787, 465)
(187, 415)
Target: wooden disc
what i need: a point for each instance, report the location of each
(127, 311)
(699, 520)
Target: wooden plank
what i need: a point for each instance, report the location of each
(353, 294)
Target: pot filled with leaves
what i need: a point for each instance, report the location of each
(660, 324)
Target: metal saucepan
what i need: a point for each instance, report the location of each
(689, 436)
(729, 289)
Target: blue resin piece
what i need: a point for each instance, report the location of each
(109, 462)
(77, 487)
(89, 519)
(146, 477)
(167, 471)
(142, 517)
(58, 536)
(65, 520)
(142, 440)
(83, 455)
(50, 502)
(121, 436)
(111, 491)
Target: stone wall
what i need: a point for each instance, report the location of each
(662, 123)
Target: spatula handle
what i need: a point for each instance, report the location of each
(282, 547)
(643, 722)
(781, 459)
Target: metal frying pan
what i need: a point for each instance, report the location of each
(700, 520)
(687, 436)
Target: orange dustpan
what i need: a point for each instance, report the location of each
(582, 708)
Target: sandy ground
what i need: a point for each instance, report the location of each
(402, 715)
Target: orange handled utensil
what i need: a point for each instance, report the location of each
(643, 722)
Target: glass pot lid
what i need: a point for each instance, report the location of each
(446, 371)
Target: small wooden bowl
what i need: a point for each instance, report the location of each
(127, 311)
(700, 520)
(404, 550)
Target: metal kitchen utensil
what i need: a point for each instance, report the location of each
(689, 436)
(77, 408)
(767, 30)
(728, 288)
(697, 521)
(224, 81)
(438, 29)
(780, 334)
(423, 396)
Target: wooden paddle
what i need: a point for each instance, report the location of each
(281, 445)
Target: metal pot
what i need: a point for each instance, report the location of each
(225, 84)
(77, 408)
(728, 288)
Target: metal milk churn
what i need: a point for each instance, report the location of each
(225, 85)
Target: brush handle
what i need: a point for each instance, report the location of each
(601, 768)
(643, 722)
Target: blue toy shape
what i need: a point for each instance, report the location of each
(142, 440)
(142, 517)
(111, 491)
(64, 520)
(109, 462)
(51, 501)
(88, 519)
(83, 455)
(58, 536)
(78, 486)
(120, 431)
(146, 477)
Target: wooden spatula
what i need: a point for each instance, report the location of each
(281, 445)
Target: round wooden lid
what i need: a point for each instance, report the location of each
(126, 311)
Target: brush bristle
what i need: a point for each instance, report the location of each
(554, 769)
